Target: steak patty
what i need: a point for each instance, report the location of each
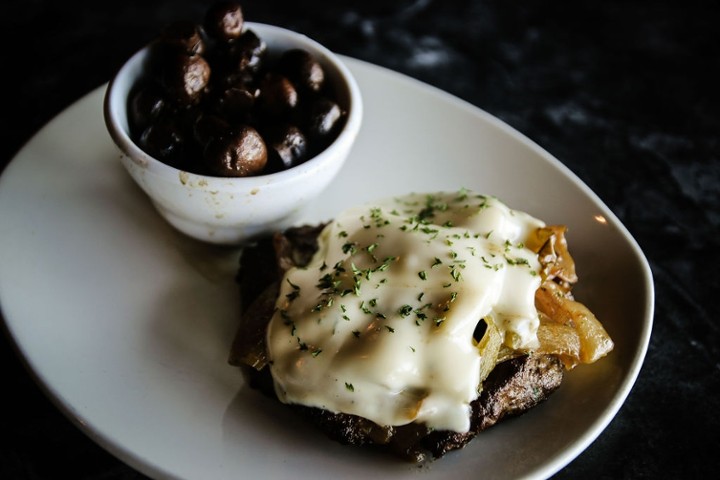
(512, 388)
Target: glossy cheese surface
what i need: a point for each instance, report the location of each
(380, 324)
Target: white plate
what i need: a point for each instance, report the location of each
(127, 324)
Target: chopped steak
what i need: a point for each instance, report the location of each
(512, 388)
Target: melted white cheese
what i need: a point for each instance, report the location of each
(380, 324)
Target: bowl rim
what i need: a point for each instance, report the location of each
(114, 99)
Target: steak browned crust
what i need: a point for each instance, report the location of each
(512, 388)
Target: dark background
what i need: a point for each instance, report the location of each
(625, 93)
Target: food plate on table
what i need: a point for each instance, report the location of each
(127, 324)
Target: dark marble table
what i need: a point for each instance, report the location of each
(623, 93)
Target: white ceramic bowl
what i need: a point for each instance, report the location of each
(233, 211)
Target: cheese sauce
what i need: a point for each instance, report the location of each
(380, 323)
